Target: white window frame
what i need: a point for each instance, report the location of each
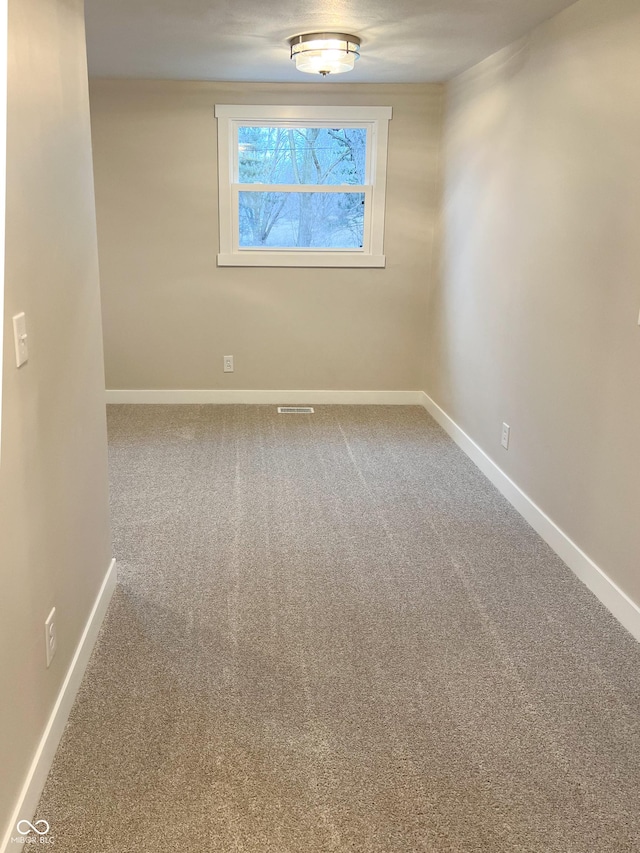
(374, 119)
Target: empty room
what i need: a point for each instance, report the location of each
(319, 500)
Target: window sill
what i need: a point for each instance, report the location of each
(300, 259)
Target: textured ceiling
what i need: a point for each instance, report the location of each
(403, 41)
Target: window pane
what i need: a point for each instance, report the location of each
(302, 220)
(301, 155)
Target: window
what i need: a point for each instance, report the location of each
(302, 186)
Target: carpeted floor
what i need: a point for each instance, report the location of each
(331, 633)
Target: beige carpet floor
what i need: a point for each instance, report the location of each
(331, 633)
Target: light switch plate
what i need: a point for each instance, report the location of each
(20, 338)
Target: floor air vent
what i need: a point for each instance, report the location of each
(295, 410)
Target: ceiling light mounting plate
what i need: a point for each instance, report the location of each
(324, 53)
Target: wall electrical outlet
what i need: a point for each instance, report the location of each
(228, 363)
(506, 431)
(51, 636)
(20, 338)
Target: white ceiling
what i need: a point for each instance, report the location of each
(403, 41)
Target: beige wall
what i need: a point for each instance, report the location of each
(54, 526)
(170, 314)
(535, 319)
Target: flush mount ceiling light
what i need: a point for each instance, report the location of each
(324, 53)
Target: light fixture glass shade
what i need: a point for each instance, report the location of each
(325, 53)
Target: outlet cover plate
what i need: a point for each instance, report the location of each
(506, 432)
(51, 636)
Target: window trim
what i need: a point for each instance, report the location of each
(375, 119)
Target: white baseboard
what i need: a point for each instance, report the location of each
(600, 584)
(280, 398)
(46, 750)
